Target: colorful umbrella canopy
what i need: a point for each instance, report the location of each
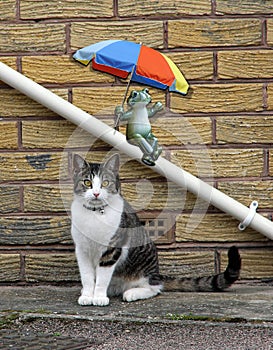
(148, 66)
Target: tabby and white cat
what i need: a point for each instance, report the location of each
(114, 253)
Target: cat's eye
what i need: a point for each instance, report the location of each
(105, 183)
(87, 183)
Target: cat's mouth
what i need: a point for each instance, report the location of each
(95, 201)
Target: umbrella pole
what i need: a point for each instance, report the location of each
(165, 168)
(124, 98)
(127, 87)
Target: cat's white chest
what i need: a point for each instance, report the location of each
(94, 225)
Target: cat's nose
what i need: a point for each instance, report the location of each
(96, 194)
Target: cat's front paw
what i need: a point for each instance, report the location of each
(130, 295)
(85, 300)
(101, 301)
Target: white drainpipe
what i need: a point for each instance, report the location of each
(246, 216)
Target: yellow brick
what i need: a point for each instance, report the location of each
(102, 101)
(9, 135)
(9, 267)
(9, 199)
(213, 228)
(255, 264)
(30, 9)
(245, 64)
(9, 61)
(51, 267)
(148, 32)
(98, 100)
(270, 31)
(49, 198)
(160, 196)
(197, 162)
(131, 169)
(13, 104)
(163, 8)
(32, 166)
(35, 230)
(32, 37)
(186, 264)
(146, 195)
(271, 163)
(220, 32)
(248, 191)
(270, 96)
(220, 98)
(55, 134)
(61, 69)
(220, 162)
(244, 7)
(7, 10)
(194, 65)
(181, 130)
(244, 129)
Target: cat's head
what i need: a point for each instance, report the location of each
(96, 183)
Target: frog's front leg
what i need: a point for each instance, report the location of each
(158, 106)
(121, 114)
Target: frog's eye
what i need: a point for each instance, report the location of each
(134, 94)
(87, 183)
(105, 183)
(146, 90)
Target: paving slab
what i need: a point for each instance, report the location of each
(48, 317)
(249, 303)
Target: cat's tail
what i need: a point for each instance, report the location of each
(214, 283)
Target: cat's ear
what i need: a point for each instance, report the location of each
(79, 163)
(113, 163)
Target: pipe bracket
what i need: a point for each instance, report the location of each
(247, 221)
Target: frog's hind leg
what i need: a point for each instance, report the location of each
(145, 147)
(157, 150)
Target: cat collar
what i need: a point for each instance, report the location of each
(100, 209)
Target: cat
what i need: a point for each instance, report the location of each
(114, 253)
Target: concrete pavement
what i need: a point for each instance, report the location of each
(245, 310)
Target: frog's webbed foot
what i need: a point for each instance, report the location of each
(157, 150)
(148, 160)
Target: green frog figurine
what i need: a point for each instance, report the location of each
(138, 129)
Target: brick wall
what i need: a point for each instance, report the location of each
(222, 131)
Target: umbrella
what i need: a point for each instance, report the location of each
(146, 65)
